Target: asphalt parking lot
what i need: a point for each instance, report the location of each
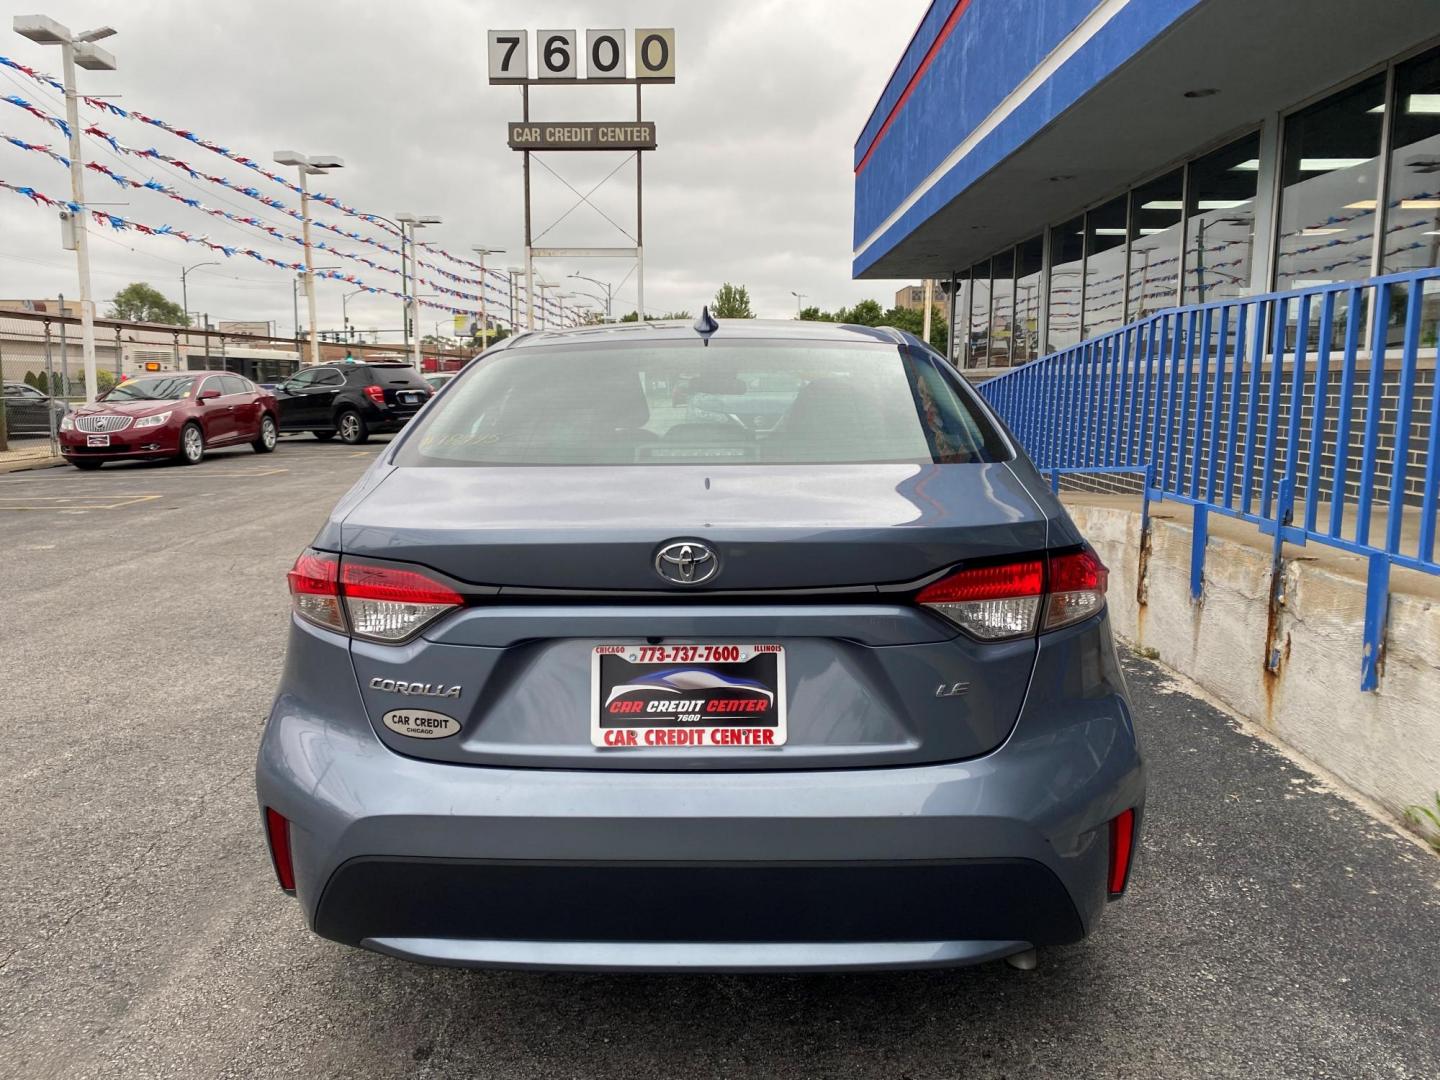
(1273, 930)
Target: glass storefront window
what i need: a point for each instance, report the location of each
(1067, 259)
(977, 345)
(1220, 230)
(1104, 268)
(1002, 311)
(1025, 343)
(1412, 225)
(1329, 171)
(1156, 210)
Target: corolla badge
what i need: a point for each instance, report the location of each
(415, 689)
(686, 562)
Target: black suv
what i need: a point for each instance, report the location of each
(354, 401)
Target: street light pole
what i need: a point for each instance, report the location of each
(609, 295)
(482, 251)
(799, 302)
(308, 166)
(75, 49)
(345, 310)
(184, 290)
(415, 222)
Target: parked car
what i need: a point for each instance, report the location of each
(576, 682)
(351, 400)
(28, 410)
(178, 416)
(437, 379)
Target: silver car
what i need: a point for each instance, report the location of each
(802, 669)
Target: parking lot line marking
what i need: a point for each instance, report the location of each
(71, 502)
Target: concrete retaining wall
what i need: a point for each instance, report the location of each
(1385, 744)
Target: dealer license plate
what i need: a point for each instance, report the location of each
(651, 696)
(97, 440)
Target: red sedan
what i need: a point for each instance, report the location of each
(170, 416)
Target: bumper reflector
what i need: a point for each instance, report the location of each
(277, 831)
(1122, 845)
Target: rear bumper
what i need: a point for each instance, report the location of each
(918, 866)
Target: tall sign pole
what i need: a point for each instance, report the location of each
(557, 63)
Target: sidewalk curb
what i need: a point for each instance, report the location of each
(26, 466)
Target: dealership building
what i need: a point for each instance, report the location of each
(1066, 167)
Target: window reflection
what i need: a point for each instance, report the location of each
(1412, 232)
(1002, 312)
(1105, 268)
(1156, 210)
(958, 355)
(978, 344)
(1067, 257)
(1220, 232)
(1025, 344)
(1329, 171)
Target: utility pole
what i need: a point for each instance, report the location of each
(75, 49)
(308, 166)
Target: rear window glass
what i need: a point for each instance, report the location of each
(399, 375)
(681, 403)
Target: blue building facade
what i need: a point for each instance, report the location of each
(1070, 166)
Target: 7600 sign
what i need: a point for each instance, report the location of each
(558, 55)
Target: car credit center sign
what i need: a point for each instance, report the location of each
(624, 135)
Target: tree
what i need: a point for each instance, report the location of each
(140, 302)
(732, 302)
(814, 314)
(681, 315)
(865, 313)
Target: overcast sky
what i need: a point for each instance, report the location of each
(752, 182)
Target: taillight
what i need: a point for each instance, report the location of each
(1122, 848)
(389, 604)
(315, 589)
(1009, 600)
(277, 832)
(990, 602)
(380, 603)
(376, 394)
(1076, 588)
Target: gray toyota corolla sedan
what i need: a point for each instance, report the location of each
(739, 647)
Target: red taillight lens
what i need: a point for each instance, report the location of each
(376, 394)
(990, 602)
(1076, 588)
(1006, 600)
(391, 604)
(277, 831)
(1122, 847)
(383, 603)
(315, 589)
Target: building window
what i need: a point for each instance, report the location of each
(1220, 225)
(978, 337)
(1067, 261)
(1156, 212)
(1104, 268)
(1002, 309)
(1330, 170)
(1412, 234)
(1025, 342)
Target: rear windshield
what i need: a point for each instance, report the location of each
(398, 375)
(682, 403)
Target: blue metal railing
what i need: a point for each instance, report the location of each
(1313, 414)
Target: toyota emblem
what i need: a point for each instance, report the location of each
(686, 563)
